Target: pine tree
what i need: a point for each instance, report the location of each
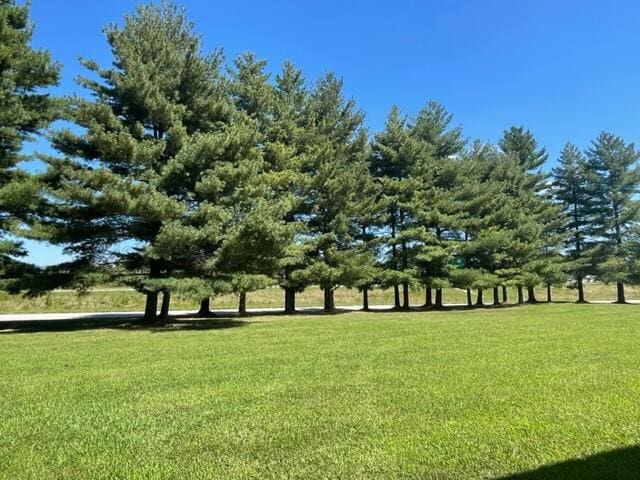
(25, 109)
(613, 186)
(395, 155)
(156, 168)
(335, 161)
(260, 240)
(523, 146)
(436, 208)
(534, 199)
(501, 238)
(570, 189)
(285, 156)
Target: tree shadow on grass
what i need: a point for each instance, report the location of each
(620, 464)
(131, 324)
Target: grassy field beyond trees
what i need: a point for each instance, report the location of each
(446, 395)
(114, 300)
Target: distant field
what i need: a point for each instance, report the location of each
(531, 392)
(105, 300)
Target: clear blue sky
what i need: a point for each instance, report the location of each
(565, 69)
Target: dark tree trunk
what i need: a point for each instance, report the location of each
(405, 296)
(469, 298)
(581, 298)
(504, 294)
(479, 301)
(549, 299)
(289, 300)
(365, 299)
(329, 303)
(620, 293)
(205, 308)
(496, 296)
(164, 309)
(428, 297)
(531, 295)
(151, 308)
(242, 303)
(439, 303)
(578, 244)
(394, 255)
(520, 295)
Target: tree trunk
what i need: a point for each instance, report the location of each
(205, 308)
(496, 297)
(164, 309)
(405, 296)
(479, 301)
(531, 295)
(151, 307)
(581, 298)
(439, 303)
(428, 297)
(289, 300)
(394, 255)
(329, 303)
(242, 303)
(520, 295)
(620, 291)
(549, 293)
(504, 294)
(365, 299)
(469, 298)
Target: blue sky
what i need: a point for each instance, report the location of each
(565, 69)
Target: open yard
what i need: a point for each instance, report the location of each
(547, 391)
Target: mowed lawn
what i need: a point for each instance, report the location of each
(477, 394)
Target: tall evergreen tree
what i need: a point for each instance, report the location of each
(285, 155)
(488, 218)
(394, 157)
(25, 109)
(436, 208)
(570, 189)
(156, 167)
(335, 160)
(614, 181)
(521, 145)
(503, 240)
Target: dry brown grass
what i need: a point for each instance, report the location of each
(129, 300)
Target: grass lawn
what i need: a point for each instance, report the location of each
(549, 391)
(110, 300)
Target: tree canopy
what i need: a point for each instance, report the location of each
(184, 173)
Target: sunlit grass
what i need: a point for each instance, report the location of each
(438, 395)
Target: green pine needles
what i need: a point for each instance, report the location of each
(181, 173)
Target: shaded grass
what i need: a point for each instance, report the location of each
(439, 395)
(129, 300)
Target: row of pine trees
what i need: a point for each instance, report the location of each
(178, 174)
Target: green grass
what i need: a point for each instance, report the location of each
(129, 300)
(444, 395)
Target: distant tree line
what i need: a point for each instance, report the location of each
(181, 175)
